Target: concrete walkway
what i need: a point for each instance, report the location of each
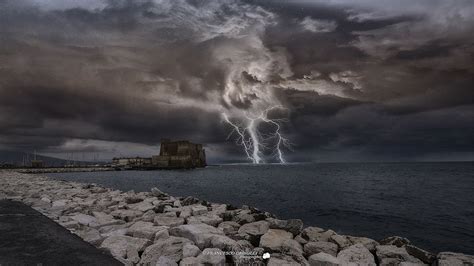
(30, 238)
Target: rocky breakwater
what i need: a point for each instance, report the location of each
(63, 170)
(154, 228)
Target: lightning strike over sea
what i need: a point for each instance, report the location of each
(255, 142)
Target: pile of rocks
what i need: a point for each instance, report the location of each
(154, 228)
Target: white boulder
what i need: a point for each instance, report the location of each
(171, 247)
(356, 254)
(316, 247)
(190, 250)
(323, 259)
(200, 234)
(393, 255)
(273, 239)
(454, 259)
(210, 219)
(212, 256)
(198, 210)
(168, 221)
(145, 230)
(118, 245)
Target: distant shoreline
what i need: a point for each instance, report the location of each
(59, 169)
(361, 162)
(62, 170)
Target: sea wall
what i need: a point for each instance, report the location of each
(63, 170)
(154, 228)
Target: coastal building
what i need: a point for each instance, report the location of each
(173, 155)
(180, 154)
(131, 162)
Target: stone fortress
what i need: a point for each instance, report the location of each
(179, 154)
(173, 155)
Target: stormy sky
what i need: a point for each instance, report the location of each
(367, 80)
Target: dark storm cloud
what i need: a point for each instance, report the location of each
(30, 110)
(373, 133)
(372, 77)
(311, 103)
(89, 72)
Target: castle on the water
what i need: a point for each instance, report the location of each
(173, 155)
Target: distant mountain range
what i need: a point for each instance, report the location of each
(22, 158)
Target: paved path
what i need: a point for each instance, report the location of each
(30, 238)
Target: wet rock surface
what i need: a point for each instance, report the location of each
(451, 258)
(393, 255)
(154, 228)
(323, 259)
(356, 254)
(321, 246)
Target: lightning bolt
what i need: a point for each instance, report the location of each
(282, 142)
(253, 141)
(242, 140)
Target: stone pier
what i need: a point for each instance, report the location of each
(154, 228)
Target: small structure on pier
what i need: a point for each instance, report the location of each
(132, 162)
(37, 164)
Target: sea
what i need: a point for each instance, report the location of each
(431, 204)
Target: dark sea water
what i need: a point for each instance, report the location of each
(432, 204)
